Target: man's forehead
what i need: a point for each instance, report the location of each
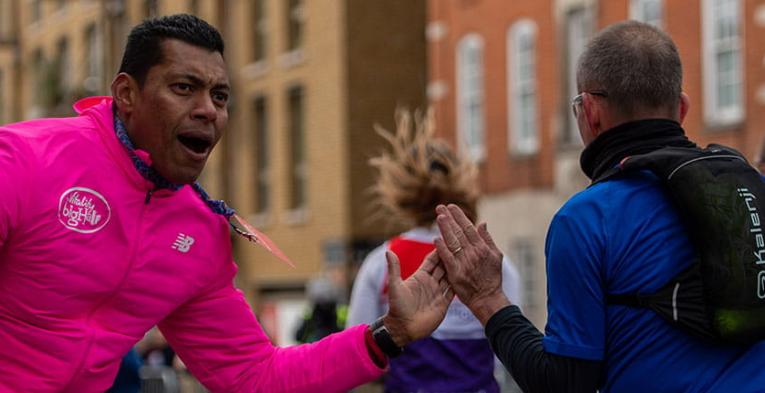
(183, 59)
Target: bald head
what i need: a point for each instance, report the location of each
(637, 65)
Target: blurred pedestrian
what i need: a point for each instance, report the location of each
(128, 379)
(326, 314)
(418, 173)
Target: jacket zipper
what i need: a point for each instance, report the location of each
(148, 195)
(131, 262)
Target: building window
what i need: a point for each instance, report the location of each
(262, 180)
(470, 114)
(35, 9)
(6, 20)
(92, 82)
(118, 31)
(295, 19)
(723, 76)
(523, 132)
(648, 11)
(63, 68)
(579, 28)
(38, 68)
(259, 30)
(526, 262)
(194, 7)
(2, 98)
(150, 8)
(297, 163)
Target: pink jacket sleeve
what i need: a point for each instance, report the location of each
(223, 345)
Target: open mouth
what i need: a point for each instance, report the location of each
(195, 144)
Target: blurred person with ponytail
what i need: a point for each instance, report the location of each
(418, 173)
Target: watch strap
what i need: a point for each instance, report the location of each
(384, 340)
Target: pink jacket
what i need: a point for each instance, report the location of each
(88, 265)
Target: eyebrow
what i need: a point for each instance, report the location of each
(199, 82)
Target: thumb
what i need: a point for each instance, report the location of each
(394, 269)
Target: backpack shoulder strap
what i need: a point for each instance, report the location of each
(666, 161)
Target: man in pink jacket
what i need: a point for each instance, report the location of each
(104, 233)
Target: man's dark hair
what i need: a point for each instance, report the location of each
(144, 50)
(636, 64)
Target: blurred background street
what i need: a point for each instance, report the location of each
(311, 78)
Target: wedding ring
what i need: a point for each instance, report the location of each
(458, 249)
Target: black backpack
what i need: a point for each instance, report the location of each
(721, 200)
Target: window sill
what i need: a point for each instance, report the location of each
(261, 220)
(292, 58)
(519, 155)
(296, 216)
(570, 146)
(255, 70)
(717, 126)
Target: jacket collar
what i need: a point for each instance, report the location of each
(136, 162)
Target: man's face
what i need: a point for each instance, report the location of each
(179, 114)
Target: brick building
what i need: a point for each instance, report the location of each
(501, 76)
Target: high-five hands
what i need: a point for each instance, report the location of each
(417, 305)
(472, 261)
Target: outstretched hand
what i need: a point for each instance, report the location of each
(417, 305)
(472, 261)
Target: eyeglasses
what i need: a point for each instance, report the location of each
(576, 101)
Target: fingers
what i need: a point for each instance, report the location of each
(438, 273)
(464, 224)
(449, 294)
(443, 285)
(447, 258)
(430, 262)
(394, 269)
(449, 229)
(484, 233)
(445, 289)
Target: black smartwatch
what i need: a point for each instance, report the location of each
(383, 339)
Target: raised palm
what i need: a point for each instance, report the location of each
(418, 304)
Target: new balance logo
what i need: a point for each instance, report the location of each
(183, 243)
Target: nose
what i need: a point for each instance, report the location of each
(204, 108)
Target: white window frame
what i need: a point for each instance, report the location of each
(638, 11)
(522, 140)
(64, 57)
(94, 77)
(575, 41)
(6, 20)
(262, 164)
(714, 114)
(526, 262)
(298, 170)
(470, 93)
(260, 29)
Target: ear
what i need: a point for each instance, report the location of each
(593, 114)
(685, 105)
(124, 92)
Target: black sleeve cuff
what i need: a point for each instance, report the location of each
(518, 344)
(498, 320)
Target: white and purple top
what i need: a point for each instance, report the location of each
(457, 356)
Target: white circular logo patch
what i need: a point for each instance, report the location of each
(83, 210)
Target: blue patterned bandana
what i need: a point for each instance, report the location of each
(160, 182)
